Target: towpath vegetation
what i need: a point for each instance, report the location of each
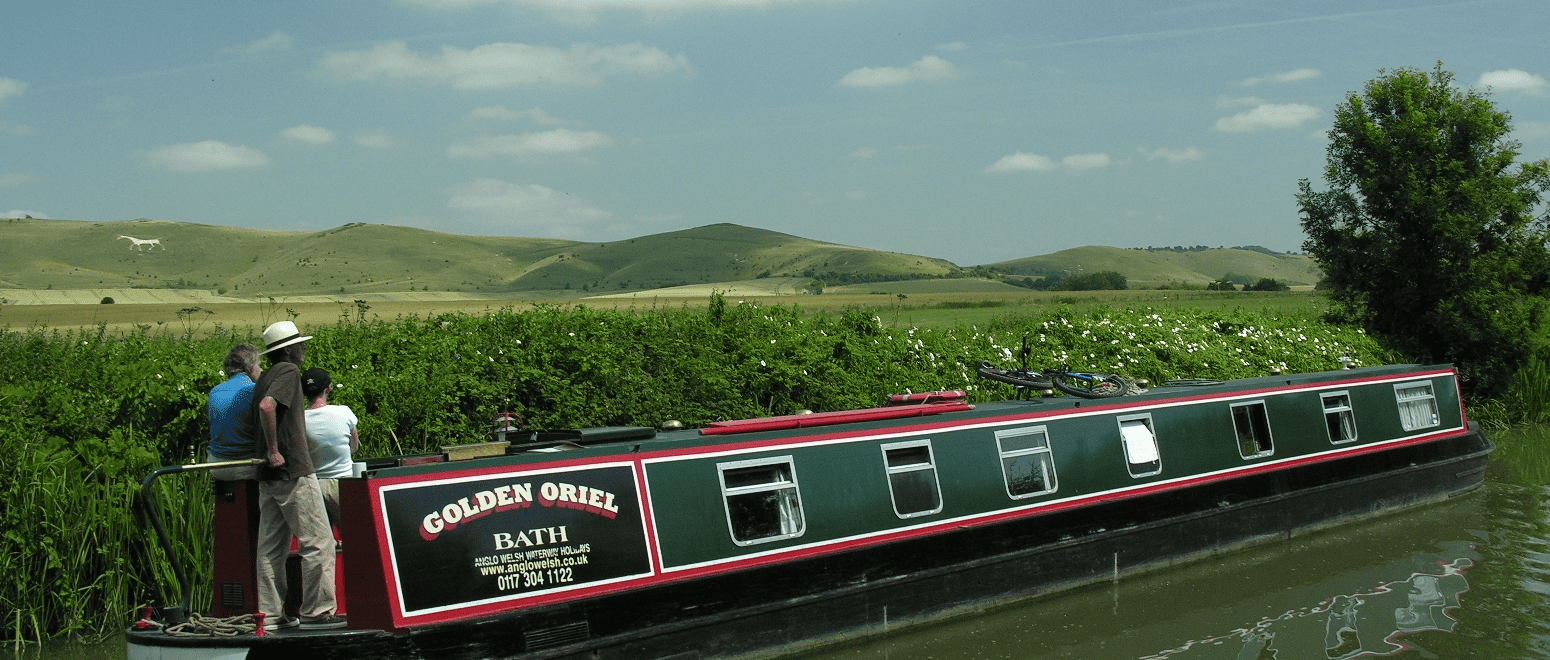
(86, 414)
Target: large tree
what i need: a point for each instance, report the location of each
(1431, 234)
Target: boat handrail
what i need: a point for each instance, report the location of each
(785, 422)
(179, 613)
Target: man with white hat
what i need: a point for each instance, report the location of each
(289, 500)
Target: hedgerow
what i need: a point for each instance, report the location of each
(84, 416)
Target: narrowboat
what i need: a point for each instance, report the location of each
(767, 537)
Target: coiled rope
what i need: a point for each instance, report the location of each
(199, 625)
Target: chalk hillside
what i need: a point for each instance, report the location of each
(359, 259)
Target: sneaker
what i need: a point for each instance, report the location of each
(323, 622)
(272, 623)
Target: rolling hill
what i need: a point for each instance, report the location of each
(1159, 267)
(363, 258)
(358, 259)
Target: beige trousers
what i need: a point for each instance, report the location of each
(232, 474)
(330, 488)
(286, 508)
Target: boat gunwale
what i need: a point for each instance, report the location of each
(661, 574)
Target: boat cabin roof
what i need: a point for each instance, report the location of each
(567, 444)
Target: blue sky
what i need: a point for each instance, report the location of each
(971, 131)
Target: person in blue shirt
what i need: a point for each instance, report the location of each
(229, 441)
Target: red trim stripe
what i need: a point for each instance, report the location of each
(663, 575)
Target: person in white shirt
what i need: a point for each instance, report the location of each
(331, 436)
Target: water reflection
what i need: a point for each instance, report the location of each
(1394, 586)
(1365, 624)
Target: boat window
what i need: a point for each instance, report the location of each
(1417, 405)
(1026, 462)
(1338, 417)
(912, 478)
(1253, 427)
(763, 503)
(1140, 442)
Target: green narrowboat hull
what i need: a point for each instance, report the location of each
(752, 544)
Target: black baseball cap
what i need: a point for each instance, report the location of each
(315, 381)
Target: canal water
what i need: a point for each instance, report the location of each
(1467, 578)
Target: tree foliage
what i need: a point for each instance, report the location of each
(1428, 233)
(1267, 284)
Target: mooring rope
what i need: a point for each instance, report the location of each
(199, 625)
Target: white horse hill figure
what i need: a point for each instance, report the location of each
(151, 243)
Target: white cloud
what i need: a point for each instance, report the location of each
(503, 65)
(1513, 80)
(206, 156)
(954, 47)
(308, 134)
(1290, 76)
(864, 152)
(585, 12)
(1241, 102)
(10, 87)
(557, 141)
(533, 114)
(1026, 162)
(1533, 129)
(524, 209)
(372, 140)
(642, 4)
(1269, 117)
(276, 41)
(1020, 161)
(926, 69)
(1173, 155)
(15, 179)
(1085, 161)
(23, 213)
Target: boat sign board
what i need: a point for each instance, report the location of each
(497, 538)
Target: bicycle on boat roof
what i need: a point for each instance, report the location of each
(1084, 384)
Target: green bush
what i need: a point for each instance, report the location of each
(84, 416)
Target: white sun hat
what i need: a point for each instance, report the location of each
(282, 334)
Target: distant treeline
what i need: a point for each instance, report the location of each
(1101, 281)
(1203, 248)
(1052, 279)
(834, 278)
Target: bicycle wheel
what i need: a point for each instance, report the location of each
(1014, 378)
(1090, 386)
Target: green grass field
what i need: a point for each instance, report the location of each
(357, 260)
(975, 303)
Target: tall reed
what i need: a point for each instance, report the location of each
(84, 416)
(1528, 393)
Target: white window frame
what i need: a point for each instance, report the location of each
(797, 524)
(1408, 405)
(930, 464)
(1142, 438)
(1047, 459)
(1258, 453)
(1345, 412)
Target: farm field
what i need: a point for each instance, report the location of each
(924, 303)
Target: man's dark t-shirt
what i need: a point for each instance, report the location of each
(281, 382)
